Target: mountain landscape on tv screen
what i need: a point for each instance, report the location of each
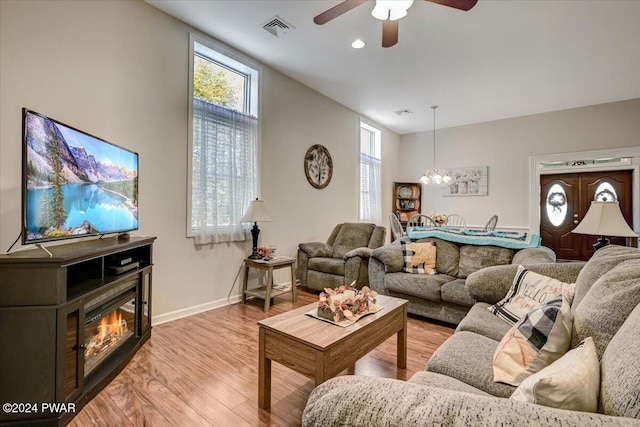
(69, 190)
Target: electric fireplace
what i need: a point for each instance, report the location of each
(107, 327)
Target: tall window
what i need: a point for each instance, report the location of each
(224, 143)
(370, 192)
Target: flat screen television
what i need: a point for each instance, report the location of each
(74, 184)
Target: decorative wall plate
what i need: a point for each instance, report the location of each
(405, 192)
(318, 166)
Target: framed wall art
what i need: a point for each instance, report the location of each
(469, 181)
(318, 166)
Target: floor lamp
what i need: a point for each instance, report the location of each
(604, 219)
(257, 212)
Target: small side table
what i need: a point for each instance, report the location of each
(267, 292)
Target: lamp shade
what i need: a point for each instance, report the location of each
(604, 219)
(257, 212)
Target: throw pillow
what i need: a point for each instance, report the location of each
(528, 291)
(571, 382)
(540, 338)
(419, 258)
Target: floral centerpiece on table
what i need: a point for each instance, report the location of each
(440, 218)
(346, 303)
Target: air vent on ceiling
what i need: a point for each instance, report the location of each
(403, 112)
(278, 26)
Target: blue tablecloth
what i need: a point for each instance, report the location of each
(505, 239)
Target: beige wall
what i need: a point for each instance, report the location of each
(118, 70)
(506, 145)
(294, 118)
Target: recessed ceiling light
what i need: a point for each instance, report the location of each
(357, 44)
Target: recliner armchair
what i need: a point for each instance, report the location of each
(343, 259)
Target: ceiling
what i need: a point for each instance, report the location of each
(501, 59)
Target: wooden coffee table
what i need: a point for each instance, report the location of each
(321, 350)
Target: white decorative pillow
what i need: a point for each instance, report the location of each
(539, 339)
(528, 291)
(419, 258)
(571, 382)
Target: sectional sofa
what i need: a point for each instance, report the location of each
(457, 387)
(443, 296)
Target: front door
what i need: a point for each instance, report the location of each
(565, 199)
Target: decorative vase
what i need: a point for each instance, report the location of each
(453, 188)
(474, 188)
(463, 188)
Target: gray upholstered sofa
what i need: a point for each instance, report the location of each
(342, 259)
(457, 388)
(443, 296)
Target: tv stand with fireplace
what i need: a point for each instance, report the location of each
(70, 323)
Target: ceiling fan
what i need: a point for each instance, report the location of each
(389, 12)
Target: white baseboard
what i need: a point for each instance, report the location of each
(197, 309)
(190, 311)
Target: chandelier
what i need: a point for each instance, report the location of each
(435, 176)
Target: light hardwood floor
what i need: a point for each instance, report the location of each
(203, 371)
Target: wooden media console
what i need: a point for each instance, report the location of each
(71, 318)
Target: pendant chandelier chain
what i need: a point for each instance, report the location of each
(433, 107)
(435, 176)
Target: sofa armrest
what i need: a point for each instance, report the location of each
(316, 249)
(302, 265)
(391, 402)
(377, 276)
(386, 259)
(537, 255)
(491, 284)
(390, 256)
(363, 253)
(356, 267)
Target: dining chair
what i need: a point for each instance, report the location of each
(456, 221)
(491, 224)
(396, 227)
(421, 220)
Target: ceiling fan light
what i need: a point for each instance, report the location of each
(380, 12)
(391, 9)
(357, 44)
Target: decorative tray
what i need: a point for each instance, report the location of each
(345, 322)
(344, 305)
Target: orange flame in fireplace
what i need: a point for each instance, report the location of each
(111, 325)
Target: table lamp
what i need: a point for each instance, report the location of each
(604, 219)
(257, 212)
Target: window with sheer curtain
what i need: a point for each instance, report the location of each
(370, 186)
(223, 158)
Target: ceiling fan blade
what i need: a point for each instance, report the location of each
(337, 10)
(389, 32)
(457, 4)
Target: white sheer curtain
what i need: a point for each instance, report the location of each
(370, 197)
(224, 172)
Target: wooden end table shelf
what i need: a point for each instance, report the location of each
(320, 350)
(267, 292)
